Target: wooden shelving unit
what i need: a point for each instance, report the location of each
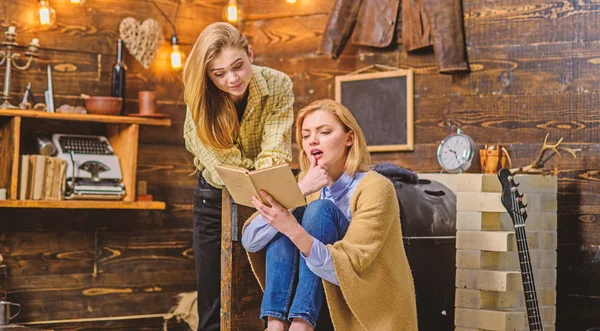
(121, 131)
(82, 204)
(86, 117)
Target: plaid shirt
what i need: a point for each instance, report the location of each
(265, 129)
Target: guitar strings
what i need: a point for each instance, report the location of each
(535, 315)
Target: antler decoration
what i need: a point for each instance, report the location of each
(539, 161)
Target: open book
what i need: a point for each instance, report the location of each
(278, 181)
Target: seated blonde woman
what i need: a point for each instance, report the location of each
(345, 246)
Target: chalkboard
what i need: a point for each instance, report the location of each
(382, 103)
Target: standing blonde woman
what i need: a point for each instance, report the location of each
(344, 251)
(237, 114)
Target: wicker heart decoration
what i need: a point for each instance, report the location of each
(143, 40)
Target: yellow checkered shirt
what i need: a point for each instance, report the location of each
(265, 131)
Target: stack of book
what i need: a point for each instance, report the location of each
(42, 178)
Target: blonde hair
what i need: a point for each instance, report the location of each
(212, 110)
(358, 157)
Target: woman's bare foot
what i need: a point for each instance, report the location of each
(300, 325)
(275, 324)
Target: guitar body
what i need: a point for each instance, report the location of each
(512, 201)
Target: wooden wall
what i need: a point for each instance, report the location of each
(534, 69)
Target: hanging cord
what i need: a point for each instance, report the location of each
(165, 15)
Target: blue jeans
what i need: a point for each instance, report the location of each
(291, 289)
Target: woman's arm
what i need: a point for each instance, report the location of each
(282, 220)
(208, 157)
(276, 145)
(376, 210)
(320, 262)
(257, 234)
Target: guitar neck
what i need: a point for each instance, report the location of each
(531, 302)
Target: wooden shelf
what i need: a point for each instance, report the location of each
(83, 204)
(86, 117)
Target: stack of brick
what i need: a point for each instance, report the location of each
(489, 289)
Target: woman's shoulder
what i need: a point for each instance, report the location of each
(375, 193)
(270, 75)
(374, 180)
(373, 185)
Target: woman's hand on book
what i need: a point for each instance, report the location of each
(276, 215)
(315, 179)
(283, 221)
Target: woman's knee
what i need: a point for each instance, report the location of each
(318, 207)
(318, 213)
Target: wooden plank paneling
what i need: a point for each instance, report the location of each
(293, 35)
(256, 10)
(96, 23)
(169, 172)
(116, 324)
(147, 250)
(44, 253)
(179, 216)
(508, 118)
(485, 116)
(526, 22)
(58, 297)
(528, 69)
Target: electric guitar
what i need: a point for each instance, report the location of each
(513, 202)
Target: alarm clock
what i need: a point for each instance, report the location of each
(455, 152)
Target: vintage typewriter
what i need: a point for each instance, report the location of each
(93, 170)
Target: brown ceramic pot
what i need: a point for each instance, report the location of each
(103, 105)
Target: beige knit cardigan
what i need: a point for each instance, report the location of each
(376, 291)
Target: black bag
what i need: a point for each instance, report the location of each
(428, 218)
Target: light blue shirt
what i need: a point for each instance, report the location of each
(259, 233)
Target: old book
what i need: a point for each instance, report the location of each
(37, 167)
(278, 181)
(63, 179)
(59, 176)
(24, 176)
(48, 179)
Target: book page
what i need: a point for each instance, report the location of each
(280, 183)
(238, 184)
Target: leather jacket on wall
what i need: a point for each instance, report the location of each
(424, 23)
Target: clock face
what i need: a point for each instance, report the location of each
(455, 153)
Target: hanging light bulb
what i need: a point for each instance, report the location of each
(290, 1)
(45, 15)
(78, 2)
(232, 12)
(176, 53)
